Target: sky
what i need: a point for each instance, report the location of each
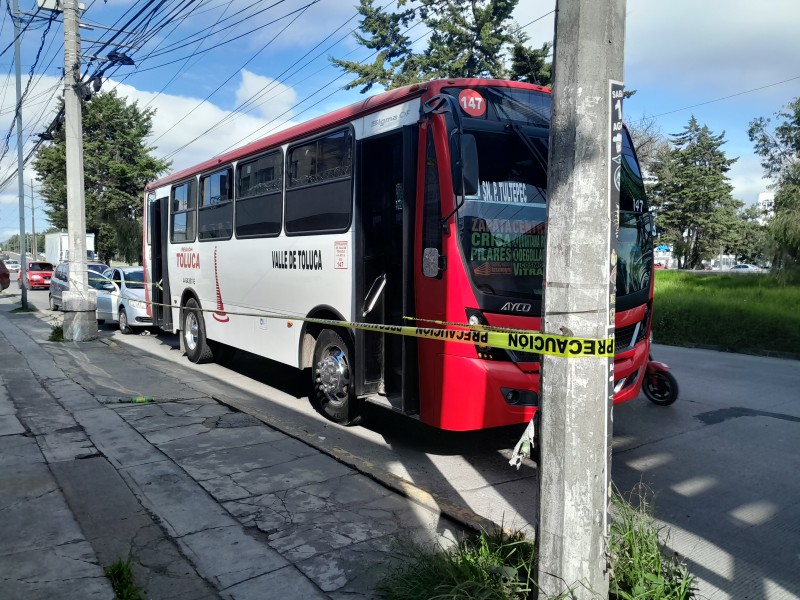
(266, 67)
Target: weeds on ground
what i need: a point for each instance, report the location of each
(500, 566)
(56, 334)
(121, 576)
(640, 570)
(489, 566)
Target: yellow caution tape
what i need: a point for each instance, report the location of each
(479, 335)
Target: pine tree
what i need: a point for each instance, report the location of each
(117, 165)
(468, 38)
(692, 196)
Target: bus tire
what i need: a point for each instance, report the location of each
(193, 330)
(334, 377)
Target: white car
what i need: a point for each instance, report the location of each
(13, 265)
(125, 303)
(743, 268)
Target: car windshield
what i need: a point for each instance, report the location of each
(98, 282)
(40, 267)
(97, 267)
(12, 262)
(134, 280)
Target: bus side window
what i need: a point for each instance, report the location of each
(432, 203)
(215, 214)
(259, 202)
(319, 193)
(184, 213)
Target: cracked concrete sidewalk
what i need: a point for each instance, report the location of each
(207, 502)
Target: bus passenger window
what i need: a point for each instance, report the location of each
(216, 206)
(319, 194)
(259, 202)
(183, 205)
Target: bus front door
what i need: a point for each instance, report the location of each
(386, 363)
(158, 220)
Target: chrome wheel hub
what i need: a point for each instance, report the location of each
(333, 375)
(190, 333)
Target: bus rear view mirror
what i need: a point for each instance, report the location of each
(466, 182)
(432, 263)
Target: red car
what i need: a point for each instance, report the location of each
(37, 275)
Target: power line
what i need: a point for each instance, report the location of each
(275, 82)
(320, 89)
(233, 39)
(537, 19)
(264, 47)
(763, 87)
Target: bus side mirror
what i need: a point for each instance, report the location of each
(468, 175)
(432, 263)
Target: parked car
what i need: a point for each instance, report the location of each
(97, 267)
(5, 277)
(37, 275)
(127, 303)
(659, 265)
(743, 268)
(12, 264)
(59, 283)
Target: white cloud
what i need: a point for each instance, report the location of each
(746, 177)
(265, 96)
(208, 130)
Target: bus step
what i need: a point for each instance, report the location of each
(393, 401)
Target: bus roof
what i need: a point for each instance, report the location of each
(337, 117)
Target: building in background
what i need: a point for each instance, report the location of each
(766, 207)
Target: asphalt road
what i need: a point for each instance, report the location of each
(721, 464)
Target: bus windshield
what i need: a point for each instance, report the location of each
(502, 226)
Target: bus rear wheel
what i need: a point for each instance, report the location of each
(334, 377)
(193, 331)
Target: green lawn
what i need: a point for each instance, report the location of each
(749, 313)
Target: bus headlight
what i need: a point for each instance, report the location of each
(476, 321)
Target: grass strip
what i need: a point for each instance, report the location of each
(500, 565)
(753, 314)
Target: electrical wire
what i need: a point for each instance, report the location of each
(292, 108)
(264, 47)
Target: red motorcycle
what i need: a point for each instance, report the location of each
(659, 385)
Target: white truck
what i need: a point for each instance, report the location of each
(56, 247)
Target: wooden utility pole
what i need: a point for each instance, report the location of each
(579, 297)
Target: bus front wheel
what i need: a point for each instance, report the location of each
(334, 395)
(194, 334)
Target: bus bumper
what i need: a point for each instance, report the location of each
(482, 393)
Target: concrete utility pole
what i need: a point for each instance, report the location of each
(23, 263)
(579, 299)
(35, 249)
(80, 302)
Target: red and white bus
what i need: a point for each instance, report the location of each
(424, 203)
